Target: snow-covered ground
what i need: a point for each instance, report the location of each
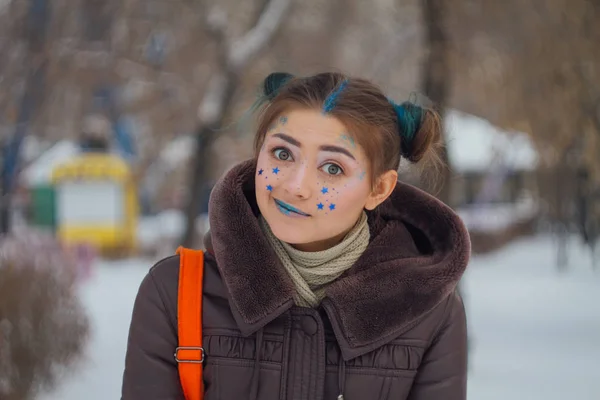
(109, 296)
(536, 332)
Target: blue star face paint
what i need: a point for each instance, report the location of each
(320, 206)
(282, 120)
(276, 170)
(260, 171)
(348, 141)
(325, 190)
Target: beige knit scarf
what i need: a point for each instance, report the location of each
(311, 272)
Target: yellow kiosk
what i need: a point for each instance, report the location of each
(96, 203)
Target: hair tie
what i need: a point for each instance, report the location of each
(409, 122)
(274, 82)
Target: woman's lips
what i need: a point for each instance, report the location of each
(283, 206)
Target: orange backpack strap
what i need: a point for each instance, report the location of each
(189, 353)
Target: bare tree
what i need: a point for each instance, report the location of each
(232, 58)
(534, 67)
(30, 99)
(436, 76)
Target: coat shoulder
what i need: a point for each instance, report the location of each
(448, 312)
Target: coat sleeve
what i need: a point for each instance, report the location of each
(150, 368)
(443, 372)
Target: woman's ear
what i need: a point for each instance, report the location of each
(382, 189)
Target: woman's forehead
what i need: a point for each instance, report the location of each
(309, 121)
(310, 127)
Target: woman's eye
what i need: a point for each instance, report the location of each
(332, 169)
(282, 154)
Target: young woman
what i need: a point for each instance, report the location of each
(325, 277)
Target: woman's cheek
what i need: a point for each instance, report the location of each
(263, 176)
(344, 196)
(334, 198)
(271, 173)
(329, 199)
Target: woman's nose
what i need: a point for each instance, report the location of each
(300, 183)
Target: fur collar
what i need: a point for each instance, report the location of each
(418, 252)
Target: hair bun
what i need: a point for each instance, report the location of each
(274, 82)
(410, 118)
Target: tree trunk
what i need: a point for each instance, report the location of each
(35, 31)
(202, 161)
(436, 76)
(232, 58)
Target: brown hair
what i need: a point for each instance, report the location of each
(386, 131)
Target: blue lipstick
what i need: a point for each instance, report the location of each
(287, 208)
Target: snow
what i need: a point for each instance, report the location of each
(166, 224)
(494, 217)
(40, 171)
(535, 332)
(473, 142)
(109, 297)
(178, 151)
(162, 232)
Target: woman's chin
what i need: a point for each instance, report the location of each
(303, 242)
(288, 235)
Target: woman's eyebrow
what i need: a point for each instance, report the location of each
(337, 149)
(288, 139)
(329, 148)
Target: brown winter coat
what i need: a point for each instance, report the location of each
(392, 327)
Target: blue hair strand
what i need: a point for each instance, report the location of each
(331, 100)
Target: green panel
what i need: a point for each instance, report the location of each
(43, 206)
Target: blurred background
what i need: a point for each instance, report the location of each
(117, 117)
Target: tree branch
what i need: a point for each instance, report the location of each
(213, 101)
(216, 23)
(218, 97)
(382, 60)
(256, 38)
(235, 57)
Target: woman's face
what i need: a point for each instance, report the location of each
(312, 180)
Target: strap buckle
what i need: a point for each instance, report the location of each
(185, 360)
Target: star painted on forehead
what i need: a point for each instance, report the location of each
(260, 171)
(324, 190)
(283, 120)
(349, 139)
(269, 188)
(332, 206)
(276, 170)
(320, 206)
